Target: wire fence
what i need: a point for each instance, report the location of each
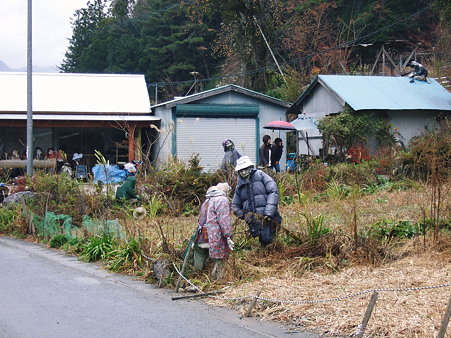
(315, 301)
(360, 328)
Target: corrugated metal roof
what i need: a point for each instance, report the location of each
(387, 92)
(75, 93)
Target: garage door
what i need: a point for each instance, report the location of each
(203, 136)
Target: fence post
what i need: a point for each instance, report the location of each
(369, 310)
(248, 312)
(445, 320)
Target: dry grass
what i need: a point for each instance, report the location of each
(407, 314)
(290, 272)
(282, 273)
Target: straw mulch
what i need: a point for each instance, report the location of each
(397, 314)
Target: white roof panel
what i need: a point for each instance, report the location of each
(75, 93)
(64, 117)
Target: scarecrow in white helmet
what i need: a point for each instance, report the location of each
(419, 72)
(256, 201)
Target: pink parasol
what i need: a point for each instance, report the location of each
(279, 125)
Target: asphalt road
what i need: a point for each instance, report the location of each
(44, 293)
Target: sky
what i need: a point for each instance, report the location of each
(51, 30)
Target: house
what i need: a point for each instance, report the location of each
(78, 113)
(198, 123)
(412, 108)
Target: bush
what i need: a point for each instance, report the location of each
(58, 241)
(180, 185)
(429, 155)
(8, 217)
(352, 174)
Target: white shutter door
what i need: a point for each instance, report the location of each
(204, 136)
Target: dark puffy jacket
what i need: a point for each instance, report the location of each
(229, 159)
(259, 188)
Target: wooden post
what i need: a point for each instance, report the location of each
(131, 142)
(254, 301)
(445, 320)
(366, 317)
(138, 145)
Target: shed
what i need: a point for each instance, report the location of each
(412, 108)
(78, 113)
(198, 123)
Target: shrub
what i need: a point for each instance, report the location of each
(429, 155)
(352, 174)
(314, 178)
(58, 241)
(8, 217)
(180, 184)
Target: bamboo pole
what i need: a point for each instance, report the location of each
(445, 320)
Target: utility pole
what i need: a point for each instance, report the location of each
(29, 94)
(270, 50)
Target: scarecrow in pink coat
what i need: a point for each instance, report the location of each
(214, 230)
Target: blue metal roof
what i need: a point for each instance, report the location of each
(386, 92)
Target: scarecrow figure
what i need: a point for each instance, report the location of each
(231, 155)
(419, 72)
(256, 200)
(127, 190)
(214, 231)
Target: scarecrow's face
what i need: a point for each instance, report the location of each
(244, 173)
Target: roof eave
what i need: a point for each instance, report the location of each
(220, 90)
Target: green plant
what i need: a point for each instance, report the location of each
(349, 127)
(58, 241)
(154, 205)
(315, 227)
(400, 229)
(98, 247)
(336, 191)
(8, 218)
(73, 245)
(128, 253)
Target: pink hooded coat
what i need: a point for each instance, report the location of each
(215, 215)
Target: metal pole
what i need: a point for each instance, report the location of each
(29, 95)
(156, 93)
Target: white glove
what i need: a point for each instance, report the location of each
(230, 243)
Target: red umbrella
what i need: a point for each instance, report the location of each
(279, 125)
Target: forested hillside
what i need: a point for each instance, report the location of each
(273, 46)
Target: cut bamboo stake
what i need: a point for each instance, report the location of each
(366, 317)
(205, 294)
(445, 320)
(182, 270)
(254, 301)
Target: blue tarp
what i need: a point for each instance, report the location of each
(108, 174)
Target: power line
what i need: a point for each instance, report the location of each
(263, 69)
